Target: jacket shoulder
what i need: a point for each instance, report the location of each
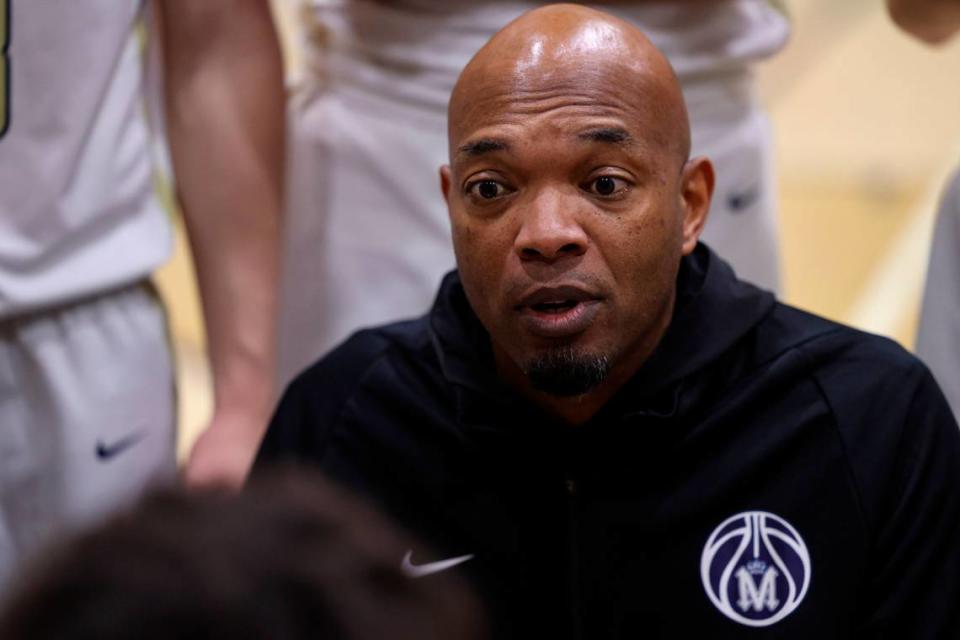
(888, 411)
(340, 370)
(838, 348)
(833, 346)
(310, 407)
(864, 378)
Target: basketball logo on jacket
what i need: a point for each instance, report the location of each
(755, 568)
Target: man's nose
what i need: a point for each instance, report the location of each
(550, 229)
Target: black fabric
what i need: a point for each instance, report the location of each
(598, 531)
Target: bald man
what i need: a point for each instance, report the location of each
(597, 423)
(374, 98)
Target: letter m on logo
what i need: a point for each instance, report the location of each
(758, 597)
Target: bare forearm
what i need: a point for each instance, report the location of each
(933, 21)
(225, 123)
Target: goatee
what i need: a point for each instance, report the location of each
(566, 372)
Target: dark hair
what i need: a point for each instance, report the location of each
(289, 558)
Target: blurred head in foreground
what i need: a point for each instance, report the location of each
(290, 558)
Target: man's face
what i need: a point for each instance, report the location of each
(567, 208)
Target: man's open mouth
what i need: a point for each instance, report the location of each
(558, 312)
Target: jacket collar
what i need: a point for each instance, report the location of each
(713, 311)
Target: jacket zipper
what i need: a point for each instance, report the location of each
(573, 556)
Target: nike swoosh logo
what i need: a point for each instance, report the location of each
(740, 201)
(107, 451)
(420, 570)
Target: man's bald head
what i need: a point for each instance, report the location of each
(572, 201)
(567, 50)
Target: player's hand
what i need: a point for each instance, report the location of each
(223, 454)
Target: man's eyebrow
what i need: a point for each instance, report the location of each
(612, 135)
(482, 146)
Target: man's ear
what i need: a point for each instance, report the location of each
(445, 182)
(696, 189)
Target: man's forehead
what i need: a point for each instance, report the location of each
(579, 120)
(504, 88)
(592, 67)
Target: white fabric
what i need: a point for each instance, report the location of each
(87, 375)
(77, 208)
(367, 230)
(413, 50)
(84, 355)
(938, 337)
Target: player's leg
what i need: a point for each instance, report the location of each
(117, 426)
(368, 235)
(95, 412)
(23, 516)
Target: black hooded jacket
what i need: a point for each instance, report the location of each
(766, 474)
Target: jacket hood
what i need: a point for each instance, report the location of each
(713, 311)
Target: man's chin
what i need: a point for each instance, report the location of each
(566, 371)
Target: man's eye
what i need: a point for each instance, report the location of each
(607, 186)
(486, 189)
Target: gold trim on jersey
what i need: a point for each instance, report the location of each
(4, 66)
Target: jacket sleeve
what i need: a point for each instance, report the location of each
(312, 404)
(286, 436)
(915, 564)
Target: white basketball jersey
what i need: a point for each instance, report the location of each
(78, 214)
(414, 50)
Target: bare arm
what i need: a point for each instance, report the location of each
(933, 21)
(225, 120)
